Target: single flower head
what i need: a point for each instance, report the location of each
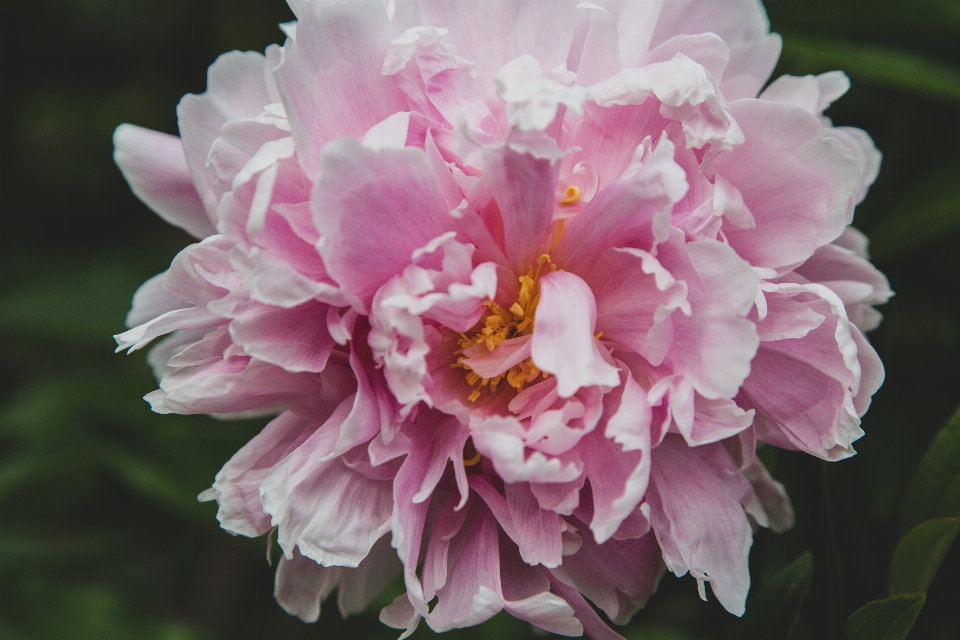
(525, 284)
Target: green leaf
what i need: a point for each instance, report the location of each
(920, 554)
(933, 491)
(889, 619)
(876, 65)
(925, 214)
(772, 613)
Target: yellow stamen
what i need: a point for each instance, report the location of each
(468, 448)
(501, 324)
(558, 236)
(571, 196)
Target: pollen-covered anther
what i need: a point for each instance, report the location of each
(571, 195)
(501, 324)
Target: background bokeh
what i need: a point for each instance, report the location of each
(101, 536)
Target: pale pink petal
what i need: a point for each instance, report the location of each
(288, 338)
(502, 439)
(236, 88)
(471, 594)
(488, 363)
(715, 420)
(237, 486)
(331, 78)
(358, 204)
(636, 297)
(535, 531)
(155, 168)
(609, 136)
(632, 212)
(795, 180)
(687, 94)
(526, 594)
(331, 512)
(235, 384)
(695, 506)
(302, 585)
(742, 24)
(178, 319)
(851, 276)
(751, 64)
(600, 55)
(714, 345)
(772, 496)
(593, 626)
(151, 301)
(523, 187)
(563, 341)
(619, 576)
(815, 413)
(542, 29)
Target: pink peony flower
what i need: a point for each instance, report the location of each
(525, 284)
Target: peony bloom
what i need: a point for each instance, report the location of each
(525, 284)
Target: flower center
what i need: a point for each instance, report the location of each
(499, 324)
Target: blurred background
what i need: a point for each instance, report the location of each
(101, 535)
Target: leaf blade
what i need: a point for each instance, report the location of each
(929, 494)
(919, 555)
(877, 65)
(889, 619)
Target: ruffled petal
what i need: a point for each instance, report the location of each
(358, 204)
(696, 512)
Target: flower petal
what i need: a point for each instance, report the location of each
(563, 338)
(156, 170)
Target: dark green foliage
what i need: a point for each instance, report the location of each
(933, 491)
(889, 619)
(101, 535)
(920, 553)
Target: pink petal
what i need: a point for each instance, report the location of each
(357, 205)
(502, 440)
(593, 626)
(331, 512)
(816, 413)
(471, 594)
(695, 506)
(713, 346)
(632, 212)
(536, 532)
(154, 166)
(236, 88)
(330, 75)
(742, 24)
(237, 486)
(772, 496)
(302, 585)
(509, 353)
(619, 576)
(523, 186)
(609, 136)
(563, 339)
(636, 297)
(796, 182)
(600, 57)
(526, 594)
(287, 338)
